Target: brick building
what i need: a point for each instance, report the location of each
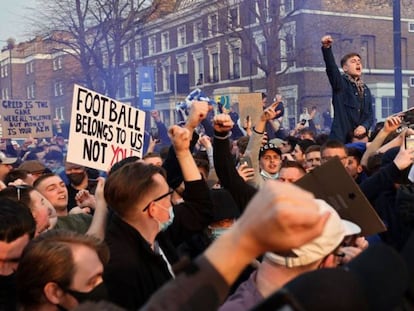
(190, 45)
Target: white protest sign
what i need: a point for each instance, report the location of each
(25, 118)
(103, 131)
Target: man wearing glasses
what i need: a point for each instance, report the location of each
(146, 227)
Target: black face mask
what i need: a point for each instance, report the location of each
(8, 280)
(98, 293)
(76, 178)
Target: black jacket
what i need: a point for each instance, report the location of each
(349, 109)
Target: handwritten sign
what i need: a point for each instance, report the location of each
(25, 118)
(103, 131)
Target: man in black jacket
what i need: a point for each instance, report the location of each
(146, 227)
(351, 98)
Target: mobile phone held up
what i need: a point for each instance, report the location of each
(246, 160)
(409, 141)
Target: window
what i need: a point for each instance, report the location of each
(59, 113)
(410, 26)
(127, 86)
(287, 45)
(57, 64)
(198, 31)
(233, 17)
(198, 68)
(166, 69)
(236, 63)
(126, 53)
(152, 48)
(215, 66)
(138, 49)
(165, 41)
(213, 24)
(30, 91)
(58, 89)
(4, 71)
(412, 81)
(387, 106)
(29, 67)
(181, 40)
(286, 7)
(5, 93)
(182, 63)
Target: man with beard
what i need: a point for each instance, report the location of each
(17, 228)
(79, 179)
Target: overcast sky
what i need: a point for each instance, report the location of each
(12, 19)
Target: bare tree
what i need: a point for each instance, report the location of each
(95, 33)
(274, 53)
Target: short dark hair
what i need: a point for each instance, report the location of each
(313, 148)
(127, 185)
(49, 258)
(18, 193)
(41, 178)
(333, 144)
(355, 153)
(16, 220)
(15, 174)
(345, 58)
(294, 164)
(305, 144)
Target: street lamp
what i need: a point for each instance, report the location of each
(10, 46)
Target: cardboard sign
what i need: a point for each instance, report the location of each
(103, 131)
(332, 183)
(250, 104)
(26, 118)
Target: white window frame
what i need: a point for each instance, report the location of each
(288, 28)
(198, 31)
(181, 36)
(58, 88)
(230, 21)
(152, 45)
(213, 32)
(411, 26)
(198, 59)
(182, 63)
(214, 49)
(57, 63)
(138, 49)
(165, 41)
(126, 53)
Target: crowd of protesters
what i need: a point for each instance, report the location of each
(209, 218)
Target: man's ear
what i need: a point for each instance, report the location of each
(53, 292)
(345, 68)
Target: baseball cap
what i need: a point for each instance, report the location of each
(332, 235)
(269, 146)
(276, 141)
(6, 160)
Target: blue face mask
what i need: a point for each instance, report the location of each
(164, 225)
(217, 232)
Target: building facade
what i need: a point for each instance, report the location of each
(218, 46)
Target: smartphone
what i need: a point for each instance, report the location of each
(92, 183)
(409, 141)
(303, 122)
(247, 160)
